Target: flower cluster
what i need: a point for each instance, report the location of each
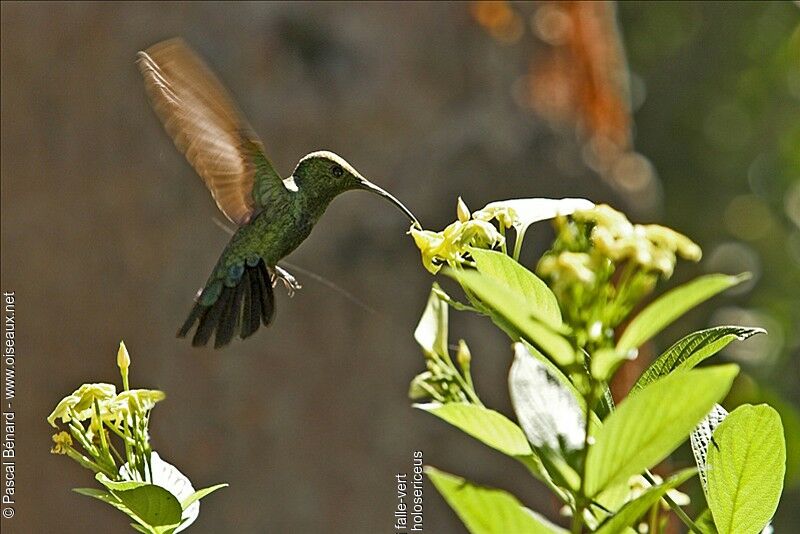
(601, 265)
(650, 246)
(93, 412)
(107, 432)
(102, 402)
(451, 245)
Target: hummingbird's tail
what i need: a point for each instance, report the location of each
(243, 307)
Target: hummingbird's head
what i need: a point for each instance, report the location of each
(328, 174)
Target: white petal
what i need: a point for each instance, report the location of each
(530, 210)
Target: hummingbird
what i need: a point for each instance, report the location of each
(272, 215)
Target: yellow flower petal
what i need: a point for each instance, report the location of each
(61, 443)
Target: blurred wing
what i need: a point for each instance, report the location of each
(205, 125)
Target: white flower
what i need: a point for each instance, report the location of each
(522, 212)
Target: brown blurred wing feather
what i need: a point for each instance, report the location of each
(205, 125)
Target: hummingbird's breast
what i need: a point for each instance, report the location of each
(272, 234)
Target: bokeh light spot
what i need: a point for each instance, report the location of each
(748, 217)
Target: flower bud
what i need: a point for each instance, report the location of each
(462, 211)
(463, 356)
(123, 358)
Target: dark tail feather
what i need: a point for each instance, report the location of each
(267, 297)
(230, 318)
(195, 314)
(247, 306)
(241, 308)
(251, 317)
(209, 321)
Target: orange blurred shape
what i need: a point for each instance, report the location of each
(581, 79)
(497, 18)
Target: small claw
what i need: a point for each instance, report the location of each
(289, 281)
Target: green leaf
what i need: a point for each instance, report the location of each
(629, 514)
(487, 510)
(199, 494)
(110, 499)
(523, 282)
(664, 310)
(510, 307)
(605, 363)
(152, 506)
(705, 522)
(106, 497)
(746, 469)
(647, 427)
(120, 486)
(693, 349)
(101, 495)
(494, 430)
(488, 426)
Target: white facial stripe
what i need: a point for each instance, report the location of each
(334, 158)
(290, 184)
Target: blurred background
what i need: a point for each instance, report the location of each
(687, 114)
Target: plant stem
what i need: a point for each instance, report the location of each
(464, 386)
(675, 508)
(654, 519)
(89, 464)
(115, 453)
(518, 243)
(580, 501)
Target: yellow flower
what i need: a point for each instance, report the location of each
(577, 265)
(674, 241)
(81, 403)
(428, 243)
(653, 247)
(606, 216)
(568, 267)
(134, 401)
(450, 245)
(504, 215)
(61, 443)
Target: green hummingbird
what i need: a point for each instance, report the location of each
(273, 215)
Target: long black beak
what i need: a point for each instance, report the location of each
(369, 186)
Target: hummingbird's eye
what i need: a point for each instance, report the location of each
(337, 171)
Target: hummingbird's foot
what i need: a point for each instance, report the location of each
(289, 281)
